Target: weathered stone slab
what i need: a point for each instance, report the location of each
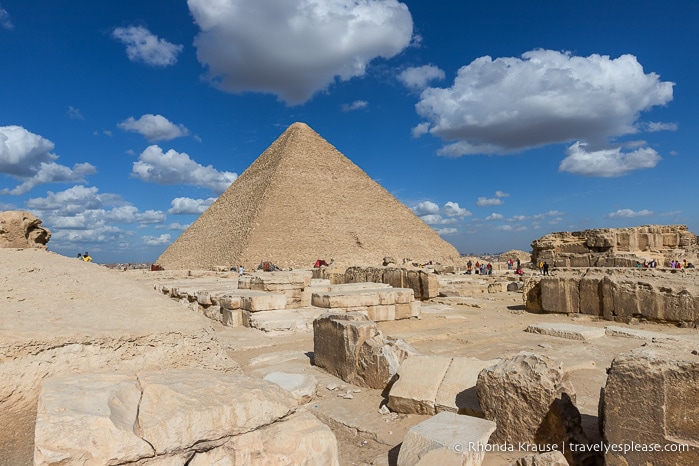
(446, 439)
(255, 301)
(283, 320)
(651, 398)
(419, 379)
(351, 298)
(457, 392)
(381, 313)
(568, 331)
(302, 386)
(88, 419)
(625, 332)
(182, 407)
(301, 439)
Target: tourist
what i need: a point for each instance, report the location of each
(518, 264)
(686, 264)
(80, 256)
(509, 264)
(469, 264)
(240, 270)
(546, 268)
(490, 268)
(86, 257)
(541, 268)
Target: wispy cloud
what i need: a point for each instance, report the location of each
(143, 46)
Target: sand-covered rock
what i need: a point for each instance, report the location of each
(20, 229)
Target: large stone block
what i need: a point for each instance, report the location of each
(650, 398)
(337, 339)
(419, 379)
(446, 439)
(457, 392)
(531, 399)
(379, 360)
(560, 294)
(301, 440)
(180, 408)
(88, 419)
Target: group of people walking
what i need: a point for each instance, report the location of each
(482, 269)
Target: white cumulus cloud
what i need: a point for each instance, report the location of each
(295, 49)
(154, 127)
(452, 209)
(628, 213)
(505, 105)
(187, 205)
(28, 158)
(446, 231)
(165, 238)
(426, 207)
(144, 46)
(606, 162)
(172, 167)
(417, 78)
(495, 216)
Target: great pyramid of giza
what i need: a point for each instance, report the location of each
(302, 200)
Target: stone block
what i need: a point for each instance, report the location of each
(346, 299)
(419, 379)
(255, 301)
(498, 287)
(180, 408)
(302, 386)
(560, 294)
(232, 317)
(531, 399)
(379, 360)
(337, 339)
(382, 313)
(88, 419)
(457, 392)
(446, 439)
(568, 331)
(406, 311)
(301, 439)
(229, 301)
(651, 398)
(279, 321)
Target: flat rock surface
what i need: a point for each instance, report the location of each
(570, 331)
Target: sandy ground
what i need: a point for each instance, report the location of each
(484, 326)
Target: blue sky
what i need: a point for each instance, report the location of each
(496, 122)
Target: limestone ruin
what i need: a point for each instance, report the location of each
(662, 295)
(299, 201)
(359, 365)
(616, 247)
(22, 230)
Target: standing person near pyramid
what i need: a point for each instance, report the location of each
(265, 214)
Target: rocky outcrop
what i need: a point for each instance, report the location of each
(650, 400)
(616, 247)
(22, 230)
(668, 295)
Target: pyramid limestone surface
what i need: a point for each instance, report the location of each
(301, 200)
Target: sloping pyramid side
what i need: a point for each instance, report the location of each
(302, 200)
